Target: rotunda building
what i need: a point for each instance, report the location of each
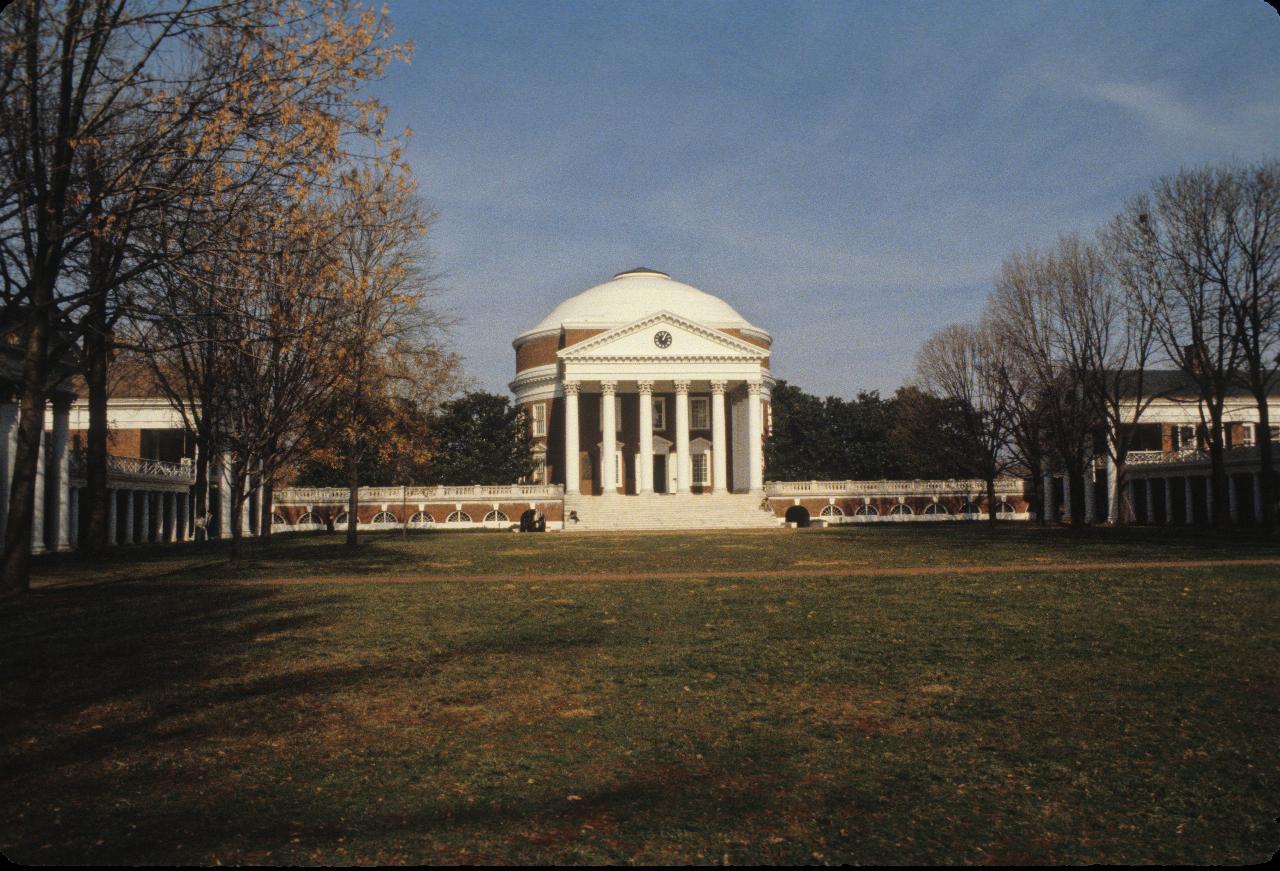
(644, 385)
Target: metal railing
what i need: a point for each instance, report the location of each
(1189, 455)
(1004, 487)
(338, 495)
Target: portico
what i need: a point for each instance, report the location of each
(646, 387)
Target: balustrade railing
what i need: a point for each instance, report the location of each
(139, 468)
(1004, 487)
(338, 495)
(1189, 455)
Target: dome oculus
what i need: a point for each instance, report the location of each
(662, 339)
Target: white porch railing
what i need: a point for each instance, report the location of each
(141, 470)
(476, 492)
(1240, 453)
(1004, 487)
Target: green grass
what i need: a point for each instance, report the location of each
(1061, 716)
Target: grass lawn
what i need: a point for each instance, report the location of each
(1059, 715)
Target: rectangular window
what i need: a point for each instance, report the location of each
(699, 413)
(539, 469)
(619, 480)
(539, 419)
(659, 412)
(1246, 435)
(1184, 438)
(701, 469)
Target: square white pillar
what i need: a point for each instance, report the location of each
(684, 468)
(608, 438)
(572, 462)
(719, 444)
(1046, 484)
(225, 498)
(644, 461)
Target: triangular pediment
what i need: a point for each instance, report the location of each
(684, 340)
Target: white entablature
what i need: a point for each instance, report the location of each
(663, 346)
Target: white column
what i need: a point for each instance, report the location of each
(644, 463)
(1208, 498)
(571, 462)
(61, 459)
(1047, 500)
(608, 439)
(1168, 500)
(170, 501)
(180, 508)
(1190, 507)
(1257, 498)
(684, 468)
(262, 493)
(1113, 491)
(1233, 499)
(37, 512)
(1066, 496)
(245, 531)
(144, 534)
(112, 531)
(755, 434)
(128, 517)
(8, 448)
(719, 444)
(1130, 511)
(1090, 491)
(224, 497)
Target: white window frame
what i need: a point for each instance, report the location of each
(619, 471)
(539, 467)
(538, 414)
(659, 412)
(1247, 431)
(705, 479)
(695, 403)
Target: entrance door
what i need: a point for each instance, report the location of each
(659, 473)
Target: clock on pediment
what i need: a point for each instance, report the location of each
(662, 339)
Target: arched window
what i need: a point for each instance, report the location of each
(278, 520)
(496, 517)
(422, 518)
(831, 511)
(900, 510)
(384, 518)
(970, 507)
(936, 508)
(1004, 508)
(867, 511)
(308, 519)
(341, 519)
(458, 517)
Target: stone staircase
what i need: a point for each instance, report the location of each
(664, 511)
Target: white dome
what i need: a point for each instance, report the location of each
(632, 295)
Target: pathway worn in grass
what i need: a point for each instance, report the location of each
(1060, 716)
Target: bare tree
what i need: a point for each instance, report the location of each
(962, 363)
(1171, 246)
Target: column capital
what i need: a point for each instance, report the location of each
(571, 388)
(681, 386)
(719, 386)
(645, 387)
(608, 387)
(755, 388)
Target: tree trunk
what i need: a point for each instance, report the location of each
(268, 494)
(238, 496)
(1036, 469)
(204, 446)
(1266, 481)
(94, 539)
(353, 497)
(1076, 507)
(1218, 470)
(15, 574)
(991, 500)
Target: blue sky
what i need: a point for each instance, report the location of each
(847, 175)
